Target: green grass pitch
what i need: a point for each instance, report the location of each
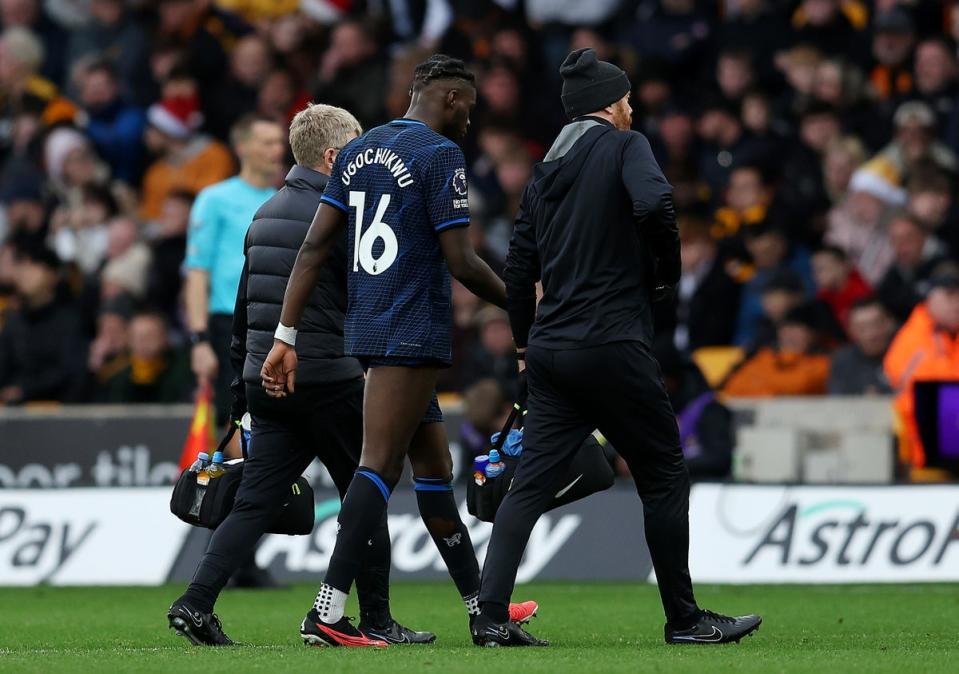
(593, 628)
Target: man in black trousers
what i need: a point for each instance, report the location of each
(323, 419)
(596, 225)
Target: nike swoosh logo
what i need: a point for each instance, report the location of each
(565, 489)
(716, 635)
(197, 619)
(390, 636)
(396, 636)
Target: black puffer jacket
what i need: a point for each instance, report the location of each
(274, 238)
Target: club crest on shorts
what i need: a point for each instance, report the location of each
(453, 540)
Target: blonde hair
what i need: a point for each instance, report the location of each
(318, 128)
(24, 46)
(850, 145)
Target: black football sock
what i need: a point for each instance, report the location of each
(362, 512)
(496, 612)
(373, 579)
(434, 496)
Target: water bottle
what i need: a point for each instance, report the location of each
(495, 467)
(202, 461)
(479, 469)
(202, 479)
(216, 468)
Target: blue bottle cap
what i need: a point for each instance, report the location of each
(204, 456)
(217, 457)
(494, 456)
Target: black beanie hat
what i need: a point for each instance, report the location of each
(590, 84)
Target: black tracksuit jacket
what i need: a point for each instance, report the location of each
(597, 226)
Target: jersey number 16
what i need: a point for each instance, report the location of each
(363, 242)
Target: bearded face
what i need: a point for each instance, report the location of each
(622, 114)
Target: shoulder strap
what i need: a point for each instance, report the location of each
(519, 408)
(226, 440)
(510, 421)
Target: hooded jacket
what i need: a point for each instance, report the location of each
(596, 225)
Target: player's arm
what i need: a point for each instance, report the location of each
(652, 198)
(279, 369)
(469, 269)
(448, 206)
(521, 274)
(201, 244)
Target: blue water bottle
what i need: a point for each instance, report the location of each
(495, 467)
(479, 469)
(216, 468)
(202, 461)
(202, 479)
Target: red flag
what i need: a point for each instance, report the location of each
(202, 435)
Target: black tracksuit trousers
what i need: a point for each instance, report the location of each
(618, 389)
(287, 435)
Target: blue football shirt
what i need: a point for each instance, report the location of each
(400, 184)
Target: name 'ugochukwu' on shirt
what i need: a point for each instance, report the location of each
(382, 156)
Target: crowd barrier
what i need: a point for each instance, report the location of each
(92, 446)
(793, 440)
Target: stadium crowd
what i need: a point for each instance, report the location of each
(812, 145)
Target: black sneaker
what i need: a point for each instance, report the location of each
(202, 629)
(315, 632)
(394, 633)
(713, 628)
(487, 633)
